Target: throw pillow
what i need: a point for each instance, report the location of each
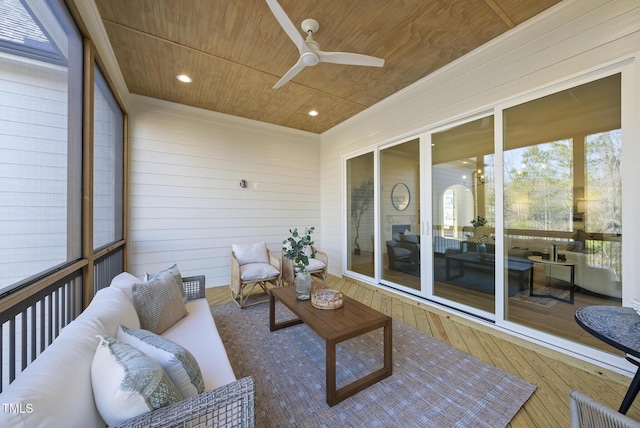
(173, 271)
(177, 362)
(159, 303)
(251, 253)
(254, 271)
(127, 383)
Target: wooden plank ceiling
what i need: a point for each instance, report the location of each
(235, 51)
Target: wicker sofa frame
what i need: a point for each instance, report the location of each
(231, 405)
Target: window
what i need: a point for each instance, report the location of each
(107, 165)
(40, 139)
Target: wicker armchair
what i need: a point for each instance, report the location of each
(247, 273)
(588, 413)
(317, 267)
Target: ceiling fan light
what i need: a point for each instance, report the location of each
(184, 78)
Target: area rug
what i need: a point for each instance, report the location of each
(558, 290)
(433, 384)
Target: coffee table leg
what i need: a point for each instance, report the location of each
(335, 396)
(272, 317)
(330, 372)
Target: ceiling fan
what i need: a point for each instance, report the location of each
(310, 53)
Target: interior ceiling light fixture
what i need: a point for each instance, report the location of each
(313, 113)
(184, 78)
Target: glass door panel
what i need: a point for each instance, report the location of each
(360, 215)
(563, 204)
(463, 214)
(400, 214)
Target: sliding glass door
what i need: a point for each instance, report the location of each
(400, 215)
(563, 203)
(360, 246)
(523, 236)
(463, 214)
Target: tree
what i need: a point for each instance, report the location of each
(361, 197)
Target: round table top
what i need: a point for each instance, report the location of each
(615, 325)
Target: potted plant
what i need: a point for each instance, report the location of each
(361, 197)
(294, 251)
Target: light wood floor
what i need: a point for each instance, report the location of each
(553, 373)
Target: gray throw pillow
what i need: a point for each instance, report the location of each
(159, 303)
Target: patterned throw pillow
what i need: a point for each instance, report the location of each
(173, 271)
(127, 383)
(177, 362)
(159, 303)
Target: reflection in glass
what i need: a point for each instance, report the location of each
(562, 187)
(400, 196)
(360, 215)
(400, 213)
(463, 191)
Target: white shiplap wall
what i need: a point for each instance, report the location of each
(187, 206)
(570, 39)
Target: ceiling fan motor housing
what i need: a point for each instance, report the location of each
(310, 26)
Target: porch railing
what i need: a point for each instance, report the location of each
(31, 324)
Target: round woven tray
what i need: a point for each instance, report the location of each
(326, 298)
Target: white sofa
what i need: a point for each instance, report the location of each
(596, 279)
(55, 390)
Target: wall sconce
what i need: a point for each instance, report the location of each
(243, 183)
(477, 179)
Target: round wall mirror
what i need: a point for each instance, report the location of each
(400, 196)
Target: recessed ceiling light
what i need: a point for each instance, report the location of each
(184, 78)
(313, 113)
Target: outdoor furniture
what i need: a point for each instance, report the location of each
(459, 260)
(549, 264)
(253, 265)
(589, 413)
(318, 266)
(335, 326)
(618, 327)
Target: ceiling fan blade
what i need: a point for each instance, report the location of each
(350, 59)
(286, 24)
(290, 74)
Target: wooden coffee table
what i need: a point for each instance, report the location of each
(335, 326)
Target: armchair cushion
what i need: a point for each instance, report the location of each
(127, 382)
(251, 253)
(177, 362)
(255, 271)
(315, 264)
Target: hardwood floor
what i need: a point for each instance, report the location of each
(553, 373)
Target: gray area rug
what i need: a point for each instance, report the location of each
(432, 385)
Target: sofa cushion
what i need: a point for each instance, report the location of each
(159, 303)
(254, 271)
(127, 383)
(124, 281)
(251, 253)
(198, 334)
(177, 362)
